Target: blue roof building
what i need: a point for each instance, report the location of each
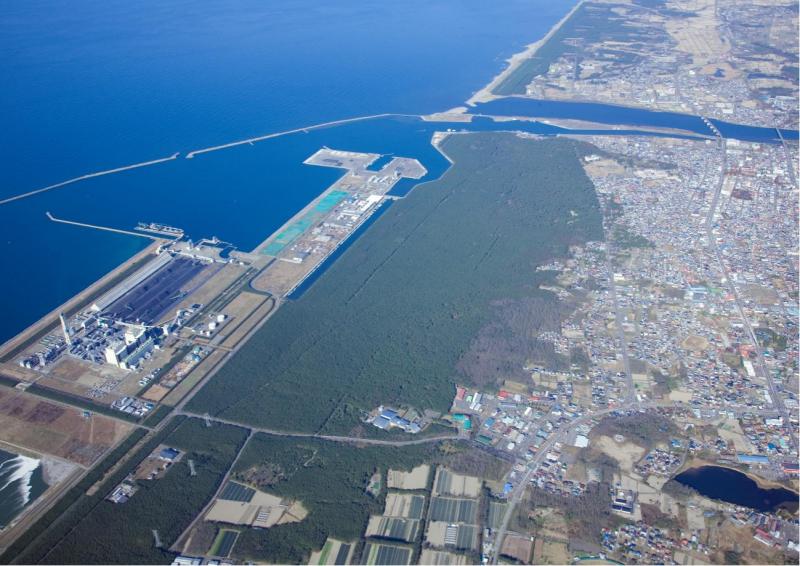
(169, 454)
(751, 459)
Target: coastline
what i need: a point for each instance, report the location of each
(485, 94)
(49, 320)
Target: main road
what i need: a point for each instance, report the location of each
(761, 366)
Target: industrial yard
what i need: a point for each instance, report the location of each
(302, 244)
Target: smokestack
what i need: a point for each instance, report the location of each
(65, 329)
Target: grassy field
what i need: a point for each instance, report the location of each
(388, 322)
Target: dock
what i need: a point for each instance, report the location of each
(106, 228)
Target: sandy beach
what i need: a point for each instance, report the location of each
(485, 94)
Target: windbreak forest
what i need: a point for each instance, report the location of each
(390, 320)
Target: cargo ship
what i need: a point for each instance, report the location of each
(161, 229)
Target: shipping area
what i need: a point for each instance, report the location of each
(134, 346)
(129, 341)
(302, 244)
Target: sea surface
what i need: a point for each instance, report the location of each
(101, 84)
(729, 485)
(21, 483)
(93, 85)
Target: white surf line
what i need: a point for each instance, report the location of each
(251, 141)
(89, 176)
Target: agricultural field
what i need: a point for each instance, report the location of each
(376, 553)
(404, 505)
(224, 543)
(437, 557)
(55, 429)
(390, 320)
(328, 478)
(396, 528)
(448, 483)
(453, 510)
(333, 552)
(415, 479)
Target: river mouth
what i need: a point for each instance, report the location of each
(732, 486)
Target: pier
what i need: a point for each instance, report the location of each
(106, 228)
(89, 176)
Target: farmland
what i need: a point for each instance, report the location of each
(390, 320)
(54, 429)
(329, 479)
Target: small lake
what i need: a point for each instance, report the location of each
(729, 485)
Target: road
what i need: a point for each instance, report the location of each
(205, 509)
(329, 437)
(563, 435)
(760, 366)
(630, 394)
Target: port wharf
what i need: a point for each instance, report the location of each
(315, 233)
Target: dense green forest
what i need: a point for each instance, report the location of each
(388, 322)
(329, 479)
(122, 533)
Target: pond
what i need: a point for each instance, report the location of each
(725, 484)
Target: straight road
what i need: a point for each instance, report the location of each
(761, 366)
(331, 438)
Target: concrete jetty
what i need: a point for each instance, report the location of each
(89, 176)
(304, 129)
(106, 228)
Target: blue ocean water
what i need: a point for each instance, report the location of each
(101, 84)
(97, 84)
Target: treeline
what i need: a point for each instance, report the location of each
(96, 531)
(586, 516)
(646, 429)
(387, 323)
